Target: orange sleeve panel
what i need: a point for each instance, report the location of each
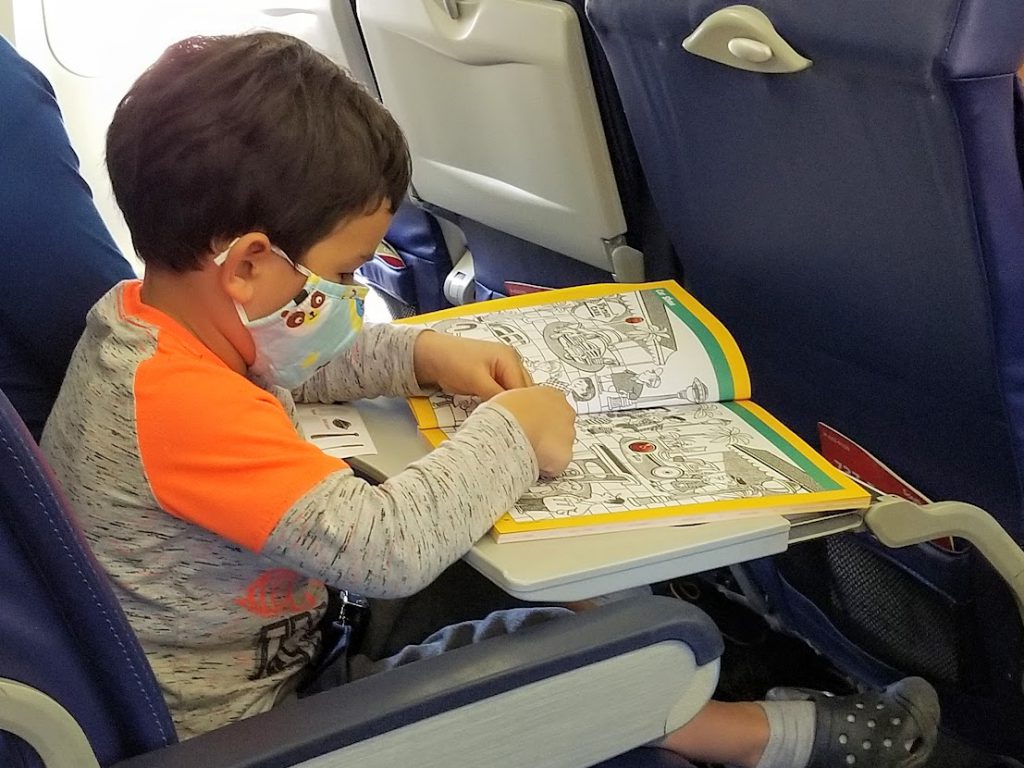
(218, 450)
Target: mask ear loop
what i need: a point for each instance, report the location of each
(221, 257)
(219, 260)
(352, 291)
(295, 265)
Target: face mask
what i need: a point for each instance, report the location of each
(304, 335)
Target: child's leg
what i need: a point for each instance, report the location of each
(722, 732)
(459, 594)
(496, 624)
(893, 728)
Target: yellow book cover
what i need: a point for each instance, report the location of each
(665, 433)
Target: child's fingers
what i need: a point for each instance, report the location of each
(487, 388)
(510, 373)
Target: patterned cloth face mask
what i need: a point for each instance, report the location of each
(304, 335)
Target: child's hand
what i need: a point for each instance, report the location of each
(548, 421)
(467, 366)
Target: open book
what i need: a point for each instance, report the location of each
(666, 433)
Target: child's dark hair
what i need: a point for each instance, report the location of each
(258, 132)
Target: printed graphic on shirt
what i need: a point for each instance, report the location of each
(278, 590)
(290, 643)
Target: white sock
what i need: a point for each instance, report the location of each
(790, 734)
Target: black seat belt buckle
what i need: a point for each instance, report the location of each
(355, 615)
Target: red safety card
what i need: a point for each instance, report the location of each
(864, 467)
(518, 289)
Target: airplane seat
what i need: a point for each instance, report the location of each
(846, 181)
(37, 221)
(517, 138)
(76, 690)
(411, 264)
(506, 265)
(62, 631)
(409, 267)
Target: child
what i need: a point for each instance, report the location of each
(256, 177)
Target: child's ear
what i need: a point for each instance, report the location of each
(243, 267)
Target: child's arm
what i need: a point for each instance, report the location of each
(402, 360)
(379, 363)
(392, 540)
(221, 453)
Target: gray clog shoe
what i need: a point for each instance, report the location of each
(892, 728)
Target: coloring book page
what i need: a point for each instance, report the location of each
(610, 353)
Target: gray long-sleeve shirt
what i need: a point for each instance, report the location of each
(219, 525)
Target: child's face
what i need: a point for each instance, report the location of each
(350, 245)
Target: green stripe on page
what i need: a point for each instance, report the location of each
(790, 451)
(723, 374)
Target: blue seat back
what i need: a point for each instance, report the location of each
(63, 631)
(44, 206)
(413, 270)
(859, 227)
(508, 260)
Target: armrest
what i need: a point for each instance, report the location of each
(552, 694)
(44, 725)
(897, 522)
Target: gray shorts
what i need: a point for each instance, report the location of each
(454, 636)
(443, 617)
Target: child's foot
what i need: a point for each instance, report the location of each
(892, 728)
